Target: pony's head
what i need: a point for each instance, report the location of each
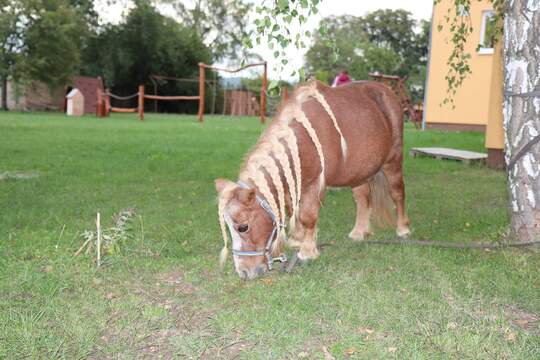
(250, 226)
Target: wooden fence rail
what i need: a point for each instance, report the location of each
(104, 108)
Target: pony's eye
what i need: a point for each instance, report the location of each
(243, 228)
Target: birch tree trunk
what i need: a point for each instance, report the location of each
(522, 114)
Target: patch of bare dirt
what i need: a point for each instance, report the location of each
(175, 279)
(150, 338)
(230, 349)
(525, 320)
(156, 345)
(186, 332)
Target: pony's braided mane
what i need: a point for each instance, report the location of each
(224, 198)
(271, 151)
(280, 153)
(304, 121)
(303, 93)
(290, 140)
(256, 175)
(271, 168)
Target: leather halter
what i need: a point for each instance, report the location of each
(267, 251)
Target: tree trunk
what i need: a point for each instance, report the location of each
(522, 114)
(4, 93)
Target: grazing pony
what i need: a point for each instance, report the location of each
(348, 136)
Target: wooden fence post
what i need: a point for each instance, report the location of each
(141, 102)
(99, 104)
(263, 93)
(155, 101)
(284, 93)
(107, 103)
(202, 79)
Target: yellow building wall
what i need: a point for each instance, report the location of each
(472, 100)
(494, 130)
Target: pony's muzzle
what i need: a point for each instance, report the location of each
(246, 273)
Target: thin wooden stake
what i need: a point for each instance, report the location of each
(98, 234)
(140, 107)
(202, 79)
(262, 107)
(83, 246)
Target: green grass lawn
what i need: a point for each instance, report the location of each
(163, 295)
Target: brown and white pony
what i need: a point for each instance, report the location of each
(348, 136)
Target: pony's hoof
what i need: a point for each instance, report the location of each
(359, 235)
(403, 233)
(305, 255)
(293, 262)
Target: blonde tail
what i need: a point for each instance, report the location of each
(382, 203)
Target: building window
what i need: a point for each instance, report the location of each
(487, 33)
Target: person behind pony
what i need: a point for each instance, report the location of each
(341, 79)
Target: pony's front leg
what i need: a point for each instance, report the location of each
(296, 237)
(310, 205)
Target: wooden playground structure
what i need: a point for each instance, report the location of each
(239, 102)
(397, 84)
(243, 100)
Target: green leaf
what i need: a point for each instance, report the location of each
(273, 85)
(283, 4)
(302, 74)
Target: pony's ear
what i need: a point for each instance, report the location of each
(221, 184)
(246, 196)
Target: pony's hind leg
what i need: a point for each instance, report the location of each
(394, 174)
(362, 198)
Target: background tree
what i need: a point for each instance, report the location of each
(355, 53)
(521, 47)
(147, 43)
(222, 24)
(88, 12)
(40, 40)
(385, 41)
(399, 31)
(12, 28)
(53, 41)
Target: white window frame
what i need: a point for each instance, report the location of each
(485, 18)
